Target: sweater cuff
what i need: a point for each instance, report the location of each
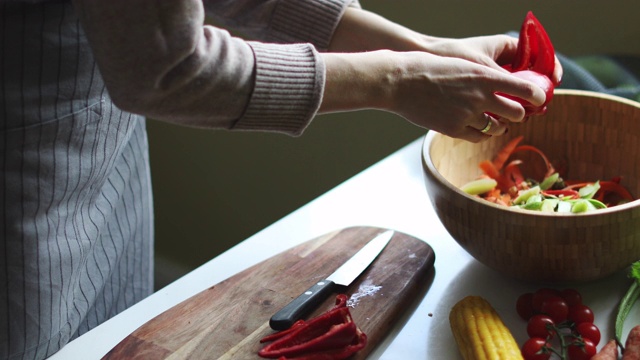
(297, 21)
(289, 82)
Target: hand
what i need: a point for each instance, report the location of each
(493, 51)
(449, 95)
(360, 30)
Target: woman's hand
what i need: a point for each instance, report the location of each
(493, 51)
(447, 85)
(361, 30)
(449, 95)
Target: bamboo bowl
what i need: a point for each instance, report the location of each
(598, 136)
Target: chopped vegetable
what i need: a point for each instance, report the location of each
(549, 181)
(551, 194)
(525, 195)
(480, 332)
(479, 186)
(330, 336)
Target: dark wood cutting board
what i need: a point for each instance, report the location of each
(227, 320)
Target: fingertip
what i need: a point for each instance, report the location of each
(557, 72)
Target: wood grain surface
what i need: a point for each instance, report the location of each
(227, 320)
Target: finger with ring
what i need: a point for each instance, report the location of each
(487, 127)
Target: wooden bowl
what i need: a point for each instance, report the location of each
(598, 136)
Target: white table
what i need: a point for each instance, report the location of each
(389, 194)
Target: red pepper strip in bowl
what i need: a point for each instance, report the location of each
(506, 151)
(565, 193)
(513, 173)
(332, 335)
(606, 187)
(547, 163)
(616, 188)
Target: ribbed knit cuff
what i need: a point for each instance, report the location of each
(307, 21)
(288, 88)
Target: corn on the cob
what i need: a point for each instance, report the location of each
(480, 332)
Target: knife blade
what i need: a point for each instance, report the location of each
(343, 276)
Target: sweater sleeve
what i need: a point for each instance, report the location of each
(282, 21)
(160, 60)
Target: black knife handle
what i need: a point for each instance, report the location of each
(302, 305)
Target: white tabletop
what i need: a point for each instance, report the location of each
(390, 194)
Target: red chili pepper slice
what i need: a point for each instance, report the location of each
(332, 335)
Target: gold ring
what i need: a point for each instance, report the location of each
(487, 128)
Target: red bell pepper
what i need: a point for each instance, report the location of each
(535, 51)
(330, 336)
(534, 61)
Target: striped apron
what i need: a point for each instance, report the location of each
(76, 224)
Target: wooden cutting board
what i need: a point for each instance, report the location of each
(227, 320)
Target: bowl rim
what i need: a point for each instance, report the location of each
(430, 167)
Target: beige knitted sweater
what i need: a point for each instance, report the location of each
(159, 60)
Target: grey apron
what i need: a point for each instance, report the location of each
(75, 201)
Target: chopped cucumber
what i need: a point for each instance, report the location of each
(479, 186)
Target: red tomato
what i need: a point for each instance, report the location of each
(535, 349)
(589, 331)
(540, 295)
(571, 296)
(581, 313)
(541, 326)
(524, 306)
(556, 308)
(583, 350)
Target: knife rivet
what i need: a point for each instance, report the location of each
(308, 292)
(321, 283)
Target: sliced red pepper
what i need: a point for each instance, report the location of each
(505, 152)
(489, 169)
(606, 187)
(547, 163)
(616, 188)
(513, 173)
(534, 61)
(335, 354)
(535, 51)
(279, 334)
(332, 335)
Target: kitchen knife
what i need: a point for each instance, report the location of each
(343, 276)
